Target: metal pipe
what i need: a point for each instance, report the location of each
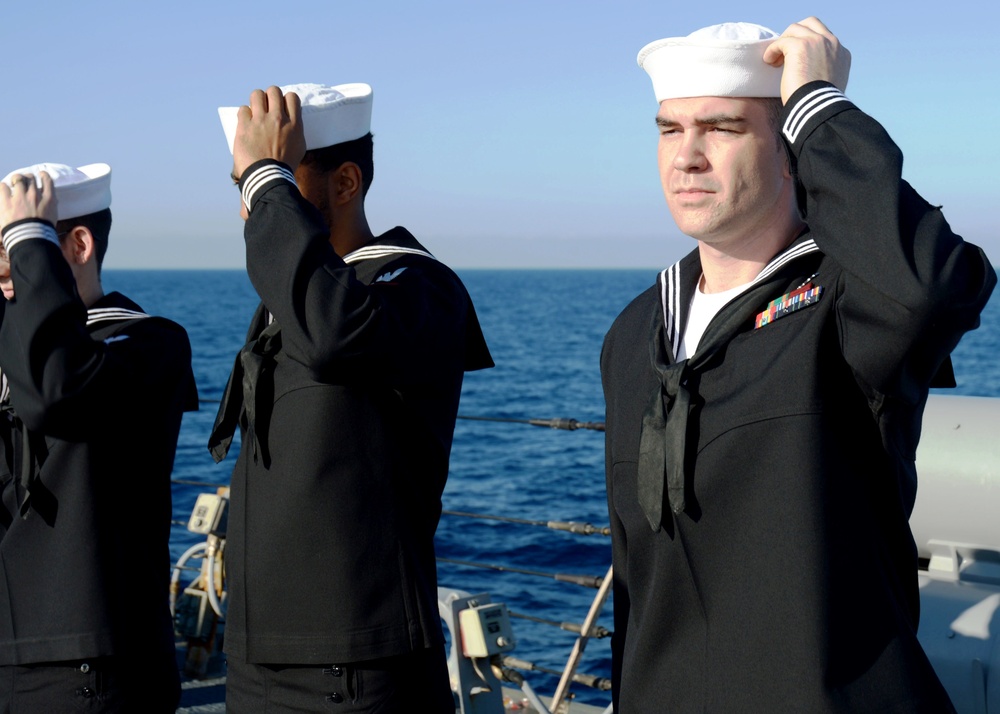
(569, 526)
(557, 423)
(598, 631)
(581, 641)
(588, 581)
(588, 680)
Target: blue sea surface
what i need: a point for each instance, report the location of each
(545, 329)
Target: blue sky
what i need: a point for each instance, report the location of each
(507, 134)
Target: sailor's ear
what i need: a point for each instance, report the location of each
(347, 183)
(78, 245)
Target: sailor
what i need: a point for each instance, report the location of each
(346, 395)
(93, 392)
(764, 397)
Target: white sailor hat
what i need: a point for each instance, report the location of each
(330, 115)
(724, 60)
(79, 192)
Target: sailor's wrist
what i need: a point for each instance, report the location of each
(17, 232)
(809, 106)
(261, 176)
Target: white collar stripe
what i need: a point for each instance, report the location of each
(807, 246)
(379, 251)
(670, 300)
(664, 291)
(675, 292)
(104, 314)
(670, 293)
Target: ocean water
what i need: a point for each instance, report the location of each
(545, 329)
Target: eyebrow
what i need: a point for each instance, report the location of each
(234, 177)
(710, 120)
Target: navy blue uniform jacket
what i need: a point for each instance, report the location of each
(787, 581)
(347, 403)
(89, 435)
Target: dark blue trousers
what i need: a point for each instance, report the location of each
(415, 682)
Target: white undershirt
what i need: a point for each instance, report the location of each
(703, 308)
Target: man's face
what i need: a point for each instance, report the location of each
(6, 283)
(724, 173)
(236, 183)
(314, 187)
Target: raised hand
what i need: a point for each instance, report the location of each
(809, 52)
(23, 198)
(269, 128)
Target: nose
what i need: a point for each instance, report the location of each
(690, 154)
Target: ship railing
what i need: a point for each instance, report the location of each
(202, 629)
(198, 608)
(588, 629)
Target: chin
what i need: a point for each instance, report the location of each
(693, 230)
(691, 223)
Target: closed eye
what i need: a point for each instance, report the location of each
(667, 127)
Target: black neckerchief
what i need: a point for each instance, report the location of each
(662, 445)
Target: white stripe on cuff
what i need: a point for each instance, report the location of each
(260, 177)
(808, 107)
(29, 231)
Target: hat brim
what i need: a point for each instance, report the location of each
(680, 67)
(75, 195)
(345, 119)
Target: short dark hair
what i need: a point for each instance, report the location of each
(99, 225)
(772, 109)
(331, 158)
